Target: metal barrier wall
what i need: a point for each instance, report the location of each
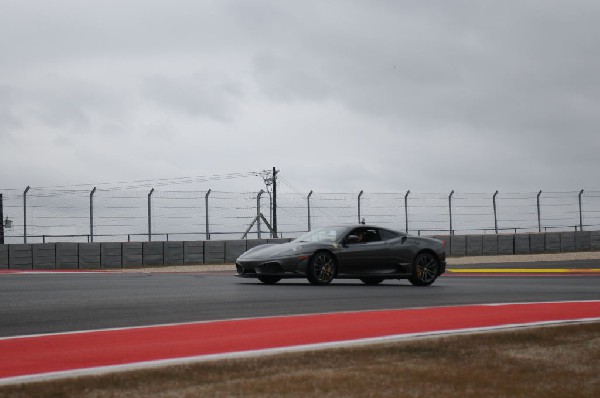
(109, 255)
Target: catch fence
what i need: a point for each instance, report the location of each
(40, 215)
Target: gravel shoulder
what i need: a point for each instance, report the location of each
(452, 261)
(525, 258)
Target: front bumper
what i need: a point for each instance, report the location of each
(252, 269)
(289, 267)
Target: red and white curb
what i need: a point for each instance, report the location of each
(51, 356)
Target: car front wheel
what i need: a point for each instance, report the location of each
(321, 268)
(425, 269)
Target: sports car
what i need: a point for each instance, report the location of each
(369, 253)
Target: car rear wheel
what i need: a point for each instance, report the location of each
(425, 269)
(371, 281)
(269, 279)
(321, 268)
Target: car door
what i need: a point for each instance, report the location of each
(369, 255)
(402, 252)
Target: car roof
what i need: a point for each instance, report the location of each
(352, 226)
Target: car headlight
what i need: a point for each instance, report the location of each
(288, 251)
(298, 252)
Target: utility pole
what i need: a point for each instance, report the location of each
(275, 202)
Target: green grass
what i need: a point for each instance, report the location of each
(558, 361)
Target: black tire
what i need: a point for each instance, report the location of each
(321, 268)
(372, 281)
(269, 279)
(425, 269)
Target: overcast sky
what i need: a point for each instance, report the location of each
(341, 96)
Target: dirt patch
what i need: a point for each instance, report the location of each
(185, 268)
(524, 258)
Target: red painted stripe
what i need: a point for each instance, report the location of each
(60, 352)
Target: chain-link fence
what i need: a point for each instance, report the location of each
(41, 215)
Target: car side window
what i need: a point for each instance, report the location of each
(365, 235)
(372, 235)
(387, 235)
(359, 233)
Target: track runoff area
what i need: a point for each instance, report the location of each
(59, 355)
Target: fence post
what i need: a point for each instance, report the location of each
(406, 209)
(206, 214)
(308, 207)
(359, 195)
(450, 210)
(92, 214)
(274, 204)
(1, 220)
(150, 215)
(25, 213)
(538, 212)
(258, 232)
(495, 214)
(580, 213)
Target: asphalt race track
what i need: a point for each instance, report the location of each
(62, 324)
(35, 303)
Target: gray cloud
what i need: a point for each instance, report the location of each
(397, 94)
(196, 95)
(8, 120)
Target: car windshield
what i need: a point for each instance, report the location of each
(330, 234)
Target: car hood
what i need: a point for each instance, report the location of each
(283, 249)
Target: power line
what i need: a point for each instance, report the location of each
(293, 188)
(158, 181)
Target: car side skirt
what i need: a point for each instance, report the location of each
(339, 276)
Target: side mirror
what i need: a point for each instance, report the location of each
(403, 240)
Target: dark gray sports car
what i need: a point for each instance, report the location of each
(363, 252)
